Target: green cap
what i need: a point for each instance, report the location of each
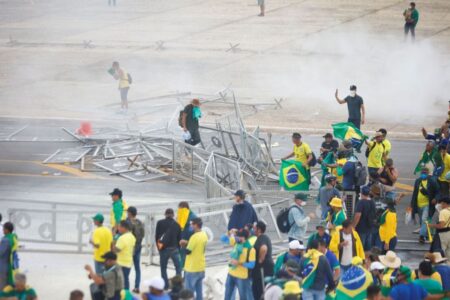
(405, 271)
(301, 196)
(98, 217)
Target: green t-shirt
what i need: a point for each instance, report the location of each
(20, 295)
(430, 285)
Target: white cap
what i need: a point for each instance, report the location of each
(295, 245)
(376, 265)
(156, 283)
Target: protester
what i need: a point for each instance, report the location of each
(9, 261)
(76, 295)
(346, 244)
(374, 293)
(377, 269)
(354, 282)
(443, 227)
(388, 175)
(102, 241)
(124, 81)
(430, 159)
(242, 260)
(441, 267)
(298, 218)
(365, 214)
(392, 263)
(443, 182)
(376, 155)
(337, 216)
(156, 287)
(411, 19)
(432, 286)
(386, 142)
(190, 122)
(109, 284)
(291, 290)
(168, 237)
(275, 284)
(20, 290)
(329, 145)
(423, 200)
(138, 230)
(195, 265)
(264, 265)
(349, 174)
(331, 258)
(294, 253)
(302, 152)
(242, 213)
(319, 235)
(124, 247)
(316, 273)
(388, 227)
(184, 217)
(326, 193)
(355, 105)
(404, 289)
(118, 210)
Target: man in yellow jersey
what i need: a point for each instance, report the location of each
(194, 267)
(386, 142)
(302, 152)
(101, 240)
(376, 155)
(443, 182)
(124, 248)
(124, 83)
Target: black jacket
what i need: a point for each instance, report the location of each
(168, 232)
(433, 192)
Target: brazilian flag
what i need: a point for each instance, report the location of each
(293, 176)
(348, 131)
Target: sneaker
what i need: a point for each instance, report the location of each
(136, 291)
(416, 231)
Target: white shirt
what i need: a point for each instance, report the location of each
(346, 258)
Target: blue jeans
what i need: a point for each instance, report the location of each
(137, 265)
(392, 244)
(376, 242)
(309, 294)
(194, 281)
(99, 267)
(366, 240)
(164, 256)
(243, 286)
(423, 216)
(126, 277)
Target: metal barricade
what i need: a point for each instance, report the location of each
(189, 161)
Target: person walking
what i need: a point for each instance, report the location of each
(411, 15)
(190, 122)
(298, 218)
(184, 217)
(262, 7)
(9, 261)
(443, 227)
(118, 210)
(124, 81)
(264, 263)
(242, 212)
(355, 105)
(365, 214)
(101, 241)
(294, 253)
(109, 284)
(138, 231)
(316, 273)
(124, 248)
(423, 200)
(168, 237)
(195, 265)
(326, 193)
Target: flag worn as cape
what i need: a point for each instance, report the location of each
(348, 131)
(310, 263)
(353, 284)
(293, 176)
(434, 158)
(13, 258)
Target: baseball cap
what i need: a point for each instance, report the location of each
(110, 255)
(240, 194)
(98, 217)
(116, 192)
(295, 245)
(376, 265)
(301, 196)
(156, 282)
(365, 190)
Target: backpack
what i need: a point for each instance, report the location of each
(313, 161)
(283, 219)
(130, 79)
(180, 117)
(360, 174)
(368, 150)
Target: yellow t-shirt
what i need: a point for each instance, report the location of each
(123, 79)
(444, 216)
(422, 200)
(195, 261)
(375, 159)
(240, 271)
(101, 236)
(388, 230)
(446, 160)
(387, 147)
(126, 244)
(301, 152)
(341, 162)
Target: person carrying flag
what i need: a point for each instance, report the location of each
(9, 262)
(302, 152)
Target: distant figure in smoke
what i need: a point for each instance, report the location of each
(411, 18)
(262, 7)
(355, 104)
(124, 82)
(112, 2)
(189, 121)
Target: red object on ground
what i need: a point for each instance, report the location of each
(85, 129)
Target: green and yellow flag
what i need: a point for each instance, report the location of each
(293, 176)
(310, 263)
(348, 131)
